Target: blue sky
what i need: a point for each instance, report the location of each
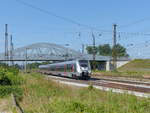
(31, 26)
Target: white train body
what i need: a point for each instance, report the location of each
(75, 69)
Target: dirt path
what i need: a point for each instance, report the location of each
(4, 106)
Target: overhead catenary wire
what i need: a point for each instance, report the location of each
(146, 44)
(134, 23)
(84, 25)
(58, 16)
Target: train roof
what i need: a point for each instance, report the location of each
(60, 63)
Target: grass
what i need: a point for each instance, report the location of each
(137, 68)
(137, 65)
(45, 96)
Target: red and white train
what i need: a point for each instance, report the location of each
(75, 69)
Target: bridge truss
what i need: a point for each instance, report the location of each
(42, 52)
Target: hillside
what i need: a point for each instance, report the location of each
(138, 68)
(138, 65)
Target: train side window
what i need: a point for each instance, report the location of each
(69, 67)
(61, 68)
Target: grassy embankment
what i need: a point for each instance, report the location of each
(36, 94)
(10, 83)
(136, 68)
(45, 96)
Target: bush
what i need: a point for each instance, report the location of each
(90, 87)
(10, 81)
(7, 90)
(9, 76)
(5, 81)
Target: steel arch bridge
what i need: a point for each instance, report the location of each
(43, 52)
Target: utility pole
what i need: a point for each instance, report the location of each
(67, 52)
(6, 42)
(26, 56)
(11, 50)
(83, 48)
(94, 51)
(114, 53)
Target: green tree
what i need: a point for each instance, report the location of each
(121, 51)
(35, 65)
(91, 50)
(105, 50)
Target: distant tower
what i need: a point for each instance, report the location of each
(6, 42)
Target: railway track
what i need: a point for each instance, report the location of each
(124, 81)
(124, 86)
(132, 87)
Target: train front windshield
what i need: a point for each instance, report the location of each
(83, 63)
